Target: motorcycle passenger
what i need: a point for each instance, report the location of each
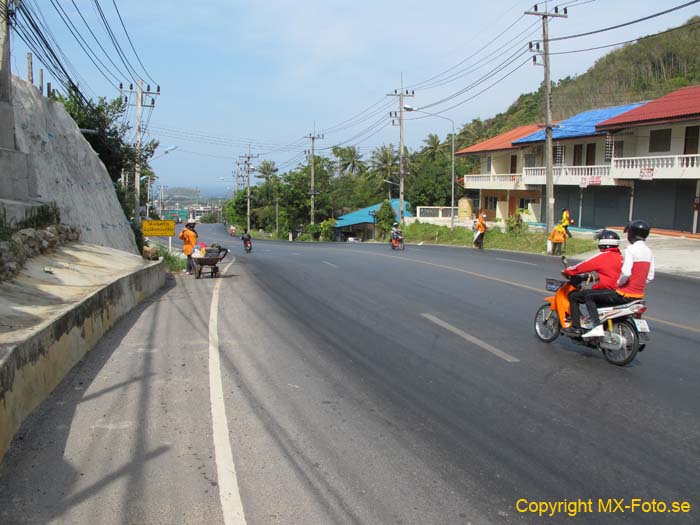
(608, 265)
(637, 270)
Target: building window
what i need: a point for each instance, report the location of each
(490, 202)
(659, 140)
(619, 148)
(558, 154)
(488, 165)
(578, 155)
(530, 160)
(524, 203)
(590, 154)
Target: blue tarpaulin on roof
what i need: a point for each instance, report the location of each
(581, 125)
(364, 216)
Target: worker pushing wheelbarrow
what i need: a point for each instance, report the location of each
(212, 256)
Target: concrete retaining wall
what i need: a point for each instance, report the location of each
(62, 167)
(30, 370)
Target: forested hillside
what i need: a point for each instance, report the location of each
(645, 69)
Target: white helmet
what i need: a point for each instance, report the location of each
(191, 221)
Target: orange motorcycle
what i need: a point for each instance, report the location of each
(397, 241)
(623, 326)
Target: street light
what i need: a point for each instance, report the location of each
(452, 210)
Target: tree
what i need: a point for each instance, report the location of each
(385, 217)
(384, 165)
(433, 147)
(349, 160)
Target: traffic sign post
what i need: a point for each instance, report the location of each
(159, 229)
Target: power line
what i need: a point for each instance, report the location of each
(655, 15)
(627, 41)
(131, 43)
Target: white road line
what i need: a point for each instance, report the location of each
(513, 260)
(229, 493)
(478, 342)
(329, 264)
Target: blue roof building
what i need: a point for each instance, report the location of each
(360, 223)
(581, 125)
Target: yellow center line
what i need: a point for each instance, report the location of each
(506, 281)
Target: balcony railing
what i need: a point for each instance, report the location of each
(661, 167)
(498, 181)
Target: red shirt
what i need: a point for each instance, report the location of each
(607, 263)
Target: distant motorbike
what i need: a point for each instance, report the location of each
(247, 245)
(623, 325)
(397, 241)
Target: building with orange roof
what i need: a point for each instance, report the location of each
(498, 187)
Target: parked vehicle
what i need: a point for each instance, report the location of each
(623, 325)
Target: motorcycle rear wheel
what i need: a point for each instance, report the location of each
(546, 324)
(625, 355)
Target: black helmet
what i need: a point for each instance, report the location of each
(637, 230)
(607, 239)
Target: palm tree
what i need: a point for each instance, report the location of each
(349, 160)
(267, 168)
(433, 147)
(385, 164)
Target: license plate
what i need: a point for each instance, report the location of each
(641, 325)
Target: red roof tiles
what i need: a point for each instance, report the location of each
(683, 104)
(500, 142)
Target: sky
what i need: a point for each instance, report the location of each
(267, 74)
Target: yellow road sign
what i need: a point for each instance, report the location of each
(158, 228)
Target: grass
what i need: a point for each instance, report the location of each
(172, 261)
(531, 242)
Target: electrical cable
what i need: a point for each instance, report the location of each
(631, 22)
(131, 43)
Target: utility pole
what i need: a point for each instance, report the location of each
(402, 175)
(140, 93)
(7, 114)
(30, 69)
(313, 138)
(545, 15)
(248, 168)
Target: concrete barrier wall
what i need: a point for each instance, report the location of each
(63, 168)
(30, 370)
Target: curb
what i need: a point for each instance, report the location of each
(31, 369)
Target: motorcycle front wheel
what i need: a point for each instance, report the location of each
(626, 354)
(401, 246)
(546, 324)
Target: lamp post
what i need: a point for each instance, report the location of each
(452, 209)
(395, 184)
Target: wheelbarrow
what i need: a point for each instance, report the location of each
(212, 257)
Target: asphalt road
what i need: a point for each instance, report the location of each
(362, 385)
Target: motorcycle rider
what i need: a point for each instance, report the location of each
(395, 230)
(246, 237)
(480, 231)
(608, 265)
(637, 270)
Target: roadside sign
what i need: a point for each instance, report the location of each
(646, 173)
(158, 228)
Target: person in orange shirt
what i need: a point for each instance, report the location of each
(557, 236)
(189, 241)
(480, 231)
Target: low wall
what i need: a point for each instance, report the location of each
(31, 369)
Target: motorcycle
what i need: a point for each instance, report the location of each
(623, 324)
(397, 241)
(247, 245)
